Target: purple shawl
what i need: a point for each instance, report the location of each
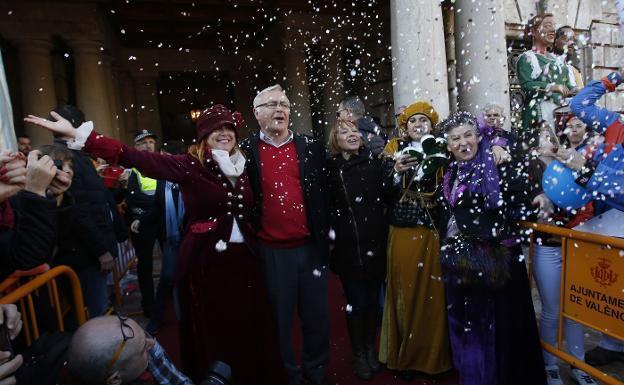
(478, 175)
(493, 134)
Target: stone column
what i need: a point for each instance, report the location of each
(481, 55)
(37, 80)
(448, 16)
(92, 85)
(418, 54)
(61, 86)
(148, 110)
(112, 94)
(128, 106)
(243, 101)
(333, 90)
(297, 88)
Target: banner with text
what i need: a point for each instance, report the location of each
(594, 285)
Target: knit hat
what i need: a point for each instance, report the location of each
(214, 118)
(142, 134)
(421, 107)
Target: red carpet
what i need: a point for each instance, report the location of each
(339, 370)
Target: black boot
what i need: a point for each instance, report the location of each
(370, 338)
(355, 324)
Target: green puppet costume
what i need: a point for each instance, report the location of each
(535, 73)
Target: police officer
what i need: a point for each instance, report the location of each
(139, 201)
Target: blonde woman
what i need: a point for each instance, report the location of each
(225, 312)
(355, 180)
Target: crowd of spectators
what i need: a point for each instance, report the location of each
(421, 229)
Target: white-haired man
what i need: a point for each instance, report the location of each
(494, 115)
(286, 171)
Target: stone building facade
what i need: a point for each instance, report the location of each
(146, 64)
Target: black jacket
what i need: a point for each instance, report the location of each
(138, 203)
(412, 202)
(155, 217)
(93, 211)
(70, 247)
(371, 135)
(358, 216)
(311, 157)
(32, 239)
(474, 220)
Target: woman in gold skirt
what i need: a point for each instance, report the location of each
(414, 336)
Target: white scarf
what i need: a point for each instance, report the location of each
(231, 165)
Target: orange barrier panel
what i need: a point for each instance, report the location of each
(23, 296)
(592, 289)
(12, 281)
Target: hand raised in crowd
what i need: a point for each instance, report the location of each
(405, 162)
(61, 126)
(563, 90)
(7, 368)
(500, 155)
(570, 158)
(12, 173)
(61, 182)
(10, 316)
(13, 319)
(39, 173)
(106, 262)
(134, 226)
(545, 206)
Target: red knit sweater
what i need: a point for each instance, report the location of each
(284, 221)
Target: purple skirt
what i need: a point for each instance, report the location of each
(493, 333)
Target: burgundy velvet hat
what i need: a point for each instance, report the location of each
(216, 117)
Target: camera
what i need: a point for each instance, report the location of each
(219, 373)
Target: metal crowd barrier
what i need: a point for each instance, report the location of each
(23, 296)
(592, 288)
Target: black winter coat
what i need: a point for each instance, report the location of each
(32, 239)
(71, 249)
(311, 156)
(358, 216)
(94, 214)
(371, 135)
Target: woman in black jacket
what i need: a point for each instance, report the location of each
(359, 255)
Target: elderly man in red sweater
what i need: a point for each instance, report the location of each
(286, 170)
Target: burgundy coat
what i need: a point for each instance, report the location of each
(210, 200)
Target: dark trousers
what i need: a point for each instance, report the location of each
(166, 283)
(295, 282)
(144, 247)
(94, 290)
(361, 294)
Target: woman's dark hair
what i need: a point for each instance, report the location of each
(533, 23)
(455, 120)
(56, 152)
(71, 113)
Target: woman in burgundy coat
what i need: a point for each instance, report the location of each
(224, 308)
